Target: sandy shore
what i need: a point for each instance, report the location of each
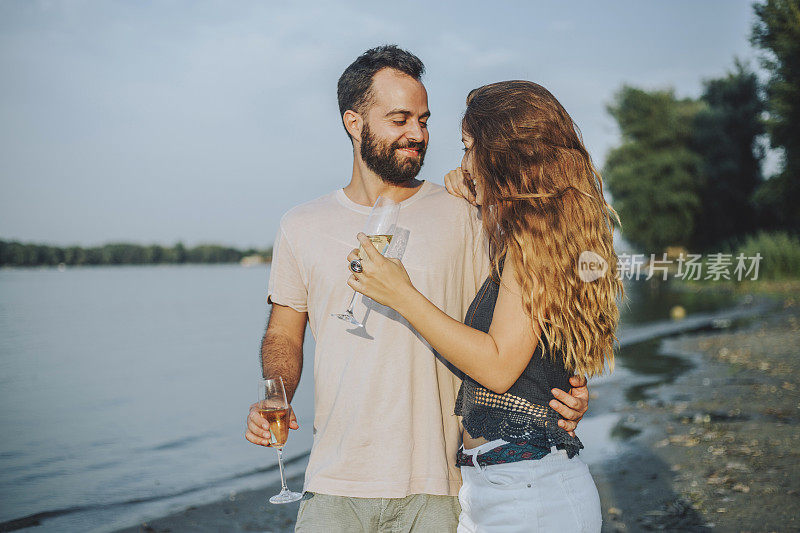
(719, 448)
(714, 450)
(246, 511)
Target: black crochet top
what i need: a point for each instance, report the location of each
(523, 411)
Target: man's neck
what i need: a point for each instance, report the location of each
(365, 186)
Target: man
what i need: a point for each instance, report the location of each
(385, 436)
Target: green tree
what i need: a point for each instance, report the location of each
(654, 176)
(179, 253)
(777, 33)
(74, 256)
(94, 256)
(12, 253)
(726, 137)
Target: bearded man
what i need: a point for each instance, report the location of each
(385, 436)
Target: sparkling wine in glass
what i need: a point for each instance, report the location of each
(380, 228)
(273, 406)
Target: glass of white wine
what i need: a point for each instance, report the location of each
(273, 406)
(380, 228)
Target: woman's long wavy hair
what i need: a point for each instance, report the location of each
(543, 206)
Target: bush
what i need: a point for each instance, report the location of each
(780, 254)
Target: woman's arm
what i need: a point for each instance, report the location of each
(495, 360)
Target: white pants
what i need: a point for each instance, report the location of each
(554, 493)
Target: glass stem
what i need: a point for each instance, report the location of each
(352, 302)
(284, 488)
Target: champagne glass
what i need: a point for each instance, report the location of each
(273, 406)
(380, 228)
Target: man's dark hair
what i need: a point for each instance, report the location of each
(354, 89)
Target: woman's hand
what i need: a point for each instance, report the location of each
(383, 279)
(459, 183)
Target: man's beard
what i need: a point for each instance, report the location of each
(384, 160)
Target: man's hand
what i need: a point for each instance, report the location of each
(258, 427)
(571, 406)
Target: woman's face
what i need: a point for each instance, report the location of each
(467, 166)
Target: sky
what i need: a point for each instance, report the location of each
(205, 121)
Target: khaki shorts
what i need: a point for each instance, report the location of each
(324, 513)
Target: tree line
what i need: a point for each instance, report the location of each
(688, 172)
(13, 253)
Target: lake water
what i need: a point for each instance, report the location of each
(129, 383)
(124, 390)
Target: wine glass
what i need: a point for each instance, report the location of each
(380, 228)
(273, 406)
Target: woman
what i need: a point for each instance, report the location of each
(534, 321)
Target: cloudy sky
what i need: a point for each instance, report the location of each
(144, 121)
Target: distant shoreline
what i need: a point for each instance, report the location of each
(18, 254)
(60, 268)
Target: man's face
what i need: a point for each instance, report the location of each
(394, 137)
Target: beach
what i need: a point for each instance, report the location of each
(718, 447)
(713, 449)
(246, 511)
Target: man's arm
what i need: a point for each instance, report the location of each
(282, 346)
(281, 355)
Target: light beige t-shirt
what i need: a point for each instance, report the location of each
(383, 424)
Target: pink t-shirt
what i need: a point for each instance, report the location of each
(383, 424)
